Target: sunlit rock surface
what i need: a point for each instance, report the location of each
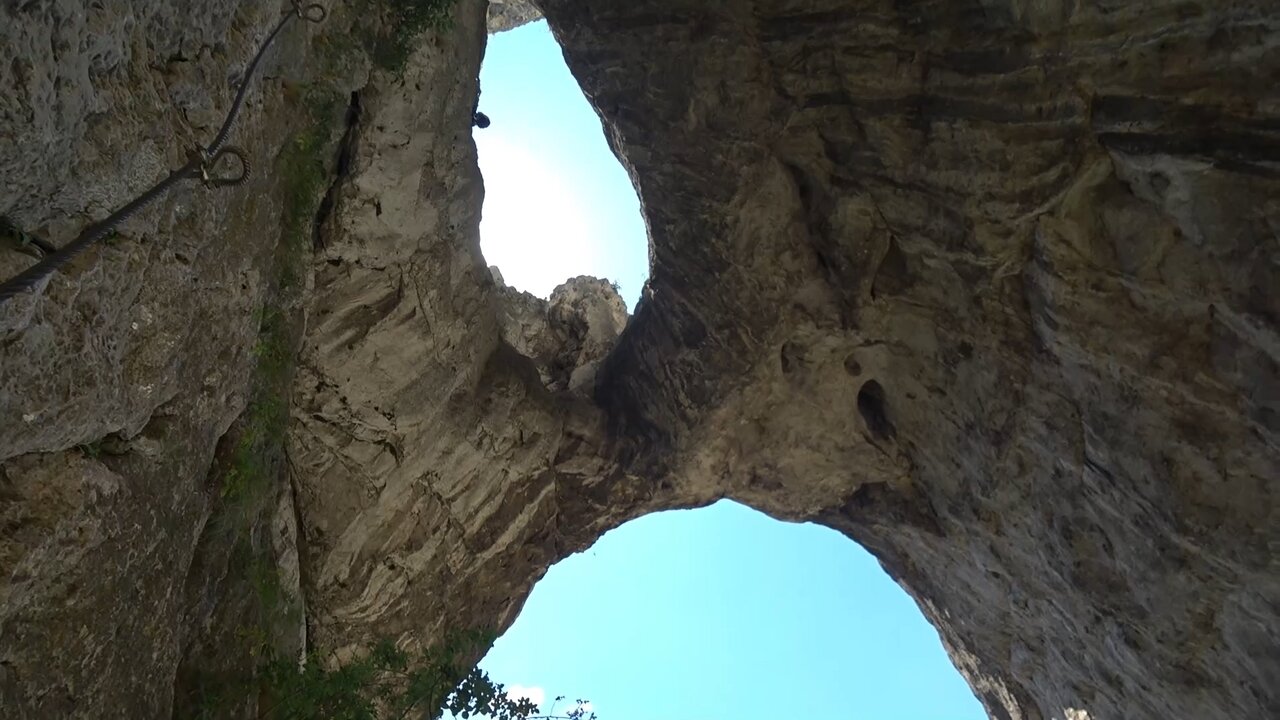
(990, 287)
(511, 14)
(567, 336)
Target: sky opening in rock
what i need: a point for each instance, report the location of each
(717, 613)
(557, 202)
(723, 613)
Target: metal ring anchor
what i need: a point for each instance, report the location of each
(206, 164)
(201, 163)
(313, 12)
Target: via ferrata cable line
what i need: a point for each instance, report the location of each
(202, 162)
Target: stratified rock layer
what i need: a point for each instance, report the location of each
(993, 289)
(990, 287)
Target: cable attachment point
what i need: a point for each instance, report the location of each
(206, 164)
(313, 12)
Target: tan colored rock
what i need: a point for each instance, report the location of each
(567, 336)
(960, 292)
(990, 289)
(511, 14)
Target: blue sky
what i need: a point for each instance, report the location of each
(720, 613)
(557, 202)
(724, 613)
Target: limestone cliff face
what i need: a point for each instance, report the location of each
(990, 287)
(511, 14)
(119, 377)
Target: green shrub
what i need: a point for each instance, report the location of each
(399, 23)
(387, 683)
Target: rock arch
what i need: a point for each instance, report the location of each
(911, 279)
(1044, 231)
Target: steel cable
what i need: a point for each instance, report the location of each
(200, 166)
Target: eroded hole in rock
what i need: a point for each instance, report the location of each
(558, 204)
(872, 406)
(724, 612)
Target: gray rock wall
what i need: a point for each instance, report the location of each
(991, 288)
(511, 14)
(988, 287)
(119, 377)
